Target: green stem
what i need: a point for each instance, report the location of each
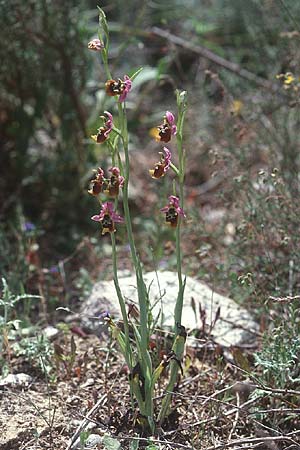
(146, 363)
(128, 352)
(179, 302)
(178, 348)
(105, 64)
(181, 157)
(124, 133)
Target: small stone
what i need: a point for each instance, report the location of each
(73, 400)
(51, 332)
(92, 441)
(90, 444)
(88, 382)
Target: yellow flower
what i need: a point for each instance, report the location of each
(236, 107)
(289, 78)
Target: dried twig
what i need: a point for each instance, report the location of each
(287, 299)
(85, 421)
(276, 391)
(237, 415)
(157, 441)
(208, 54)
(251, 440)
(277, 410)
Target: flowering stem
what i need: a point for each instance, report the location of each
(178, 346)
(105, 64)
(142, 336)
(181, 103)
(124, 134)
(128, 353)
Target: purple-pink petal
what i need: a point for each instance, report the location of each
(115, 171)
(108, 123)
(116, 218)
(108, 208)
(171, 121)
(127, 86)
(123, 96)
(180, 211)
(110, 118)
(96, 218)
(174, 201)
(170, 118)
(127, 81)
(106, 133)
(100, 172)
(165, 209)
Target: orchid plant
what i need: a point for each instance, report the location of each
(134, 338)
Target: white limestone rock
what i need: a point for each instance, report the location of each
(51, 332)
(235, 325)
(92, 443)
(16, 380)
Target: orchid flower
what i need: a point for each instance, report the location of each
(119, 87)
(96, 45)
(116, 181)
(108, 217)
(168, 128)
(97, 182)
(163, 165)
(173, 211)
(104, 131)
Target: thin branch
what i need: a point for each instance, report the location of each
(85, 421)
(253, 441)
(208, 54)
(288, 12)
(287, 299)
(237, 416)
(157, 441)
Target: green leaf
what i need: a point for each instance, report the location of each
(134, 445)
(103, 23)
(136, 73)
(111, 443)
(73, 346)
(144, 75)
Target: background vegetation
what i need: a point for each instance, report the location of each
(242, 141)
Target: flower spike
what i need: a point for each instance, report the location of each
(173, 211)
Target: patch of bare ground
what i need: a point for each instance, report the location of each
(214, 406)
